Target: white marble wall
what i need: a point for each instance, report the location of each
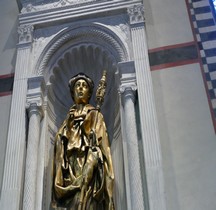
(187, 138)
(8, 25)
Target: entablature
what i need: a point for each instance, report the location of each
(46, 14)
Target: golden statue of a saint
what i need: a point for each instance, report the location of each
(83, 171)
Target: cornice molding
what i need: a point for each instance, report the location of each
(29, 7)
(74, 12)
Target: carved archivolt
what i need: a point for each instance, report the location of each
(91, 34)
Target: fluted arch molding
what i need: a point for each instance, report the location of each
(92, 33)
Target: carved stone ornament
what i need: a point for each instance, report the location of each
(136, 14)
(35, 95)
(29, 7)
(128, 92)
(25, 33)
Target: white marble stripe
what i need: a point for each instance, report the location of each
(207, 29)
(200, 4)
(209, 44)
(206, 70)
(213, 75)
(209, 84)
(202, 53)
(211, 59)
(213, 101)
(198, 37)
(195, 24)
(192, 11)
(204, 16)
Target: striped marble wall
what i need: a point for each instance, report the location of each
(202, 50)
(204, 28)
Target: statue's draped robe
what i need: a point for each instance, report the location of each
(78, 158)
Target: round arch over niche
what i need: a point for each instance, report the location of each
(91, 33)
(89, 49)
(83, 48)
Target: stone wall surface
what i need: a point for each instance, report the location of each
(180, 42)
(187, 138)
(8, 40)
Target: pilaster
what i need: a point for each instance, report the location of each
(149, 127)
(41, 158)
(128, 89)
(34, 106)
(11, 194)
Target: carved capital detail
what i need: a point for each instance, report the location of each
(136, 14)
(34, 104)
(128, 92)
(35, 96)
(25, 34)
(35, 107)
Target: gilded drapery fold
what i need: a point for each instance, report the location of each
(83, 170)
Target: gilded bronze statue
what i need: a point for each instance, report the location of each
(83, 171)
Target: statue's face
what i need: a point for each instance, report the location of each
(81, 92)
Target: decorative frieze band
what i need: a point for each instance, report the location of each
(33, 7)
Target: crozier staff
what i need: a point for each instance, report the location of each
(83, 171)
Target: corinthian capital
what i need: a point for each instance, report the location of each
(25, 34)
(128, 92)
(136, 14)
(35, 95)
(34, 107)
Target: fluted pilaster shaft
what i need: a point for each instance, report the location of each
(41, 162)
(11, 193)
(149, 127)
(31, 157)
(135, 179)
